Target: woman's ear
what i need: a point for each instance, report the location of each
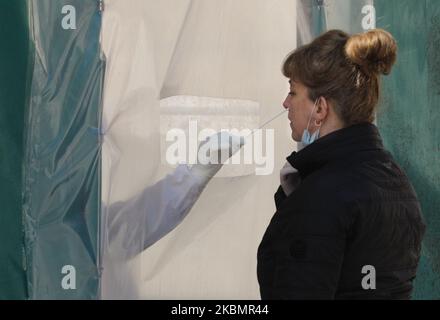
(323, 108)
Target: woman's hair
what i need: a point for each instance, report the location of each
(345, 69)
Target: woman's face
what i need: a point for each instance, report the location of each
(300, 108)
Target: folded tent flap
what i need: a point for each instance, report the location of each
(62, 152)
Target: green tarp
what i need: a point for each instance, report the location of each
(409, 117)
(13, 67)
(62, 160)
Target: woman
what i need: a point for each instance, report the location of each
(352, 227)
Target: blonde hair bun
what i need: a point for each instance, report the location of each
(374, 51)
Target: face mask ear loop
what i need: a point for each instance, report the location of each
(310, 118)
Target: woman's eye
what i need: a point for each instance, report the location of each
(291, 93)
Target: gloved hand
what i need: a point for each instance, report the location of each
(289, 178)
(214, 152)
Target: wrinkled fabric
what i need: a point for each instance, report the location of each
(62, 160)
(153, 213)
(170, 62)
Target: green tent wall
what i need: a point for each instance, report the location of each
(409, 118)
(13, 68)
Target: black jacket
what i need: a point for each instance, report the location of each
(354, 208)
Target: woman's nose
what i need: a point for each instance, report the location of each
(286, 103)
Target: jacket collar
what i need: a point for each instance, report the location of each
(337, 146)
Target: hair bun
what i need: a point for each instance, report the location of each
(374, 51)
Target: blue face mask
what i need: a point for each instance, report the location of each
(307, 137)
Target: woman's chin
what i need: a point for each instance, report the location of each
(294, 137)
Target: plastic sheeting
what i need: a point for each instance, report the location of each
(62, 159)
(188, 114)
(214, 51)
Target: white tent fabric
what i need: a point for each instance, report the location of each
(210, 49)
